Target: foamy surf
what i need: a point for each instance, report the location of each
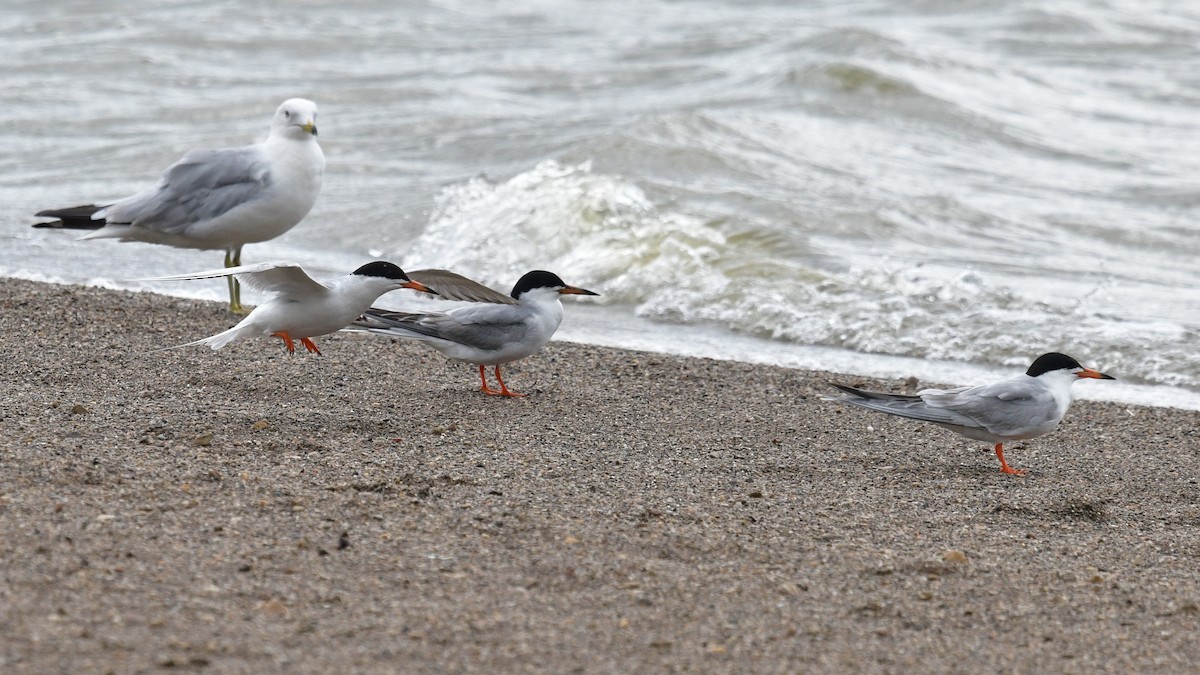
(672, 267)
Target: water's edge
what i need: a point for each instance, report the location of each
(617, 327)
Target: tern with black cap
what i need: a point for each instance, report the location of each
(301, 308)
(493, 330)
(1024, 407)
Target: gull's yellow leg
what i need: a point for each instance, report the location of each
(233, 258)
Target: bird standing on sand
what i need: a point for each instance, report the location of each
(1024, 407)
(495, 330)
(219, 199)
(302, 308)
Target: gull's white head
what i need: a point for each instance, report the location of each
(296, 118)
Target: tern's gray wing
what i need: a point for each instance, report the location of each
(1006, 408)
(203, 185)
(281, 278)
(913, 407)
(451, 286)
(486, 327)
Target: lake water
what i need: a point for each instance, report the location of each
(944, 188)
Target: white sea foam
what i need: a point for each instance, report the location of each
(603, 232)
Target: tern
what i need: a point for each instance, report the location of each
(301, 307)
(494, 330)
(1024, 407)
(219, 199)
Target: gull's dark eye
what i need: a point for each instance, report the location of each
(287, 113)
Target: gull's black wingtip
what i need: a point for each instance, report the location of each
(72, 218)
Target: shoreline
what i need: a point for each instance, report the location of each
(592, 324)
(243, 510)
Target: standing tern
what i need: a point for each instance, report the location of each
(494, 330)
(219, 199)
(1024, 407)
(301, 307)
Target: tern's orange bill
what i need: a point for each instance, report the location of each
(571, 290)
(418, 286)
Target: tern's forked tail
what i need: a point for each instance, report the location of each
(214, 342)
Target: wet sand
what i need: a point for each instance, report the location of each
(370, 511)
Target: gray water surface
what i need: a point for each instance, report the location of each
(945, 187)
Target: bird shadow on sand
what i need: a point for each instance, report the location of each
(1071, 509)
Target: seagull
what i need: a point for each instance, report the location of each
(1024, 407)
(219, 199)
(301, 307)
(495, 329)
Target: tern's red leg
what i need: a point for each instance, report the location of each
(310, 346)
(287, 340)
(504, 391)
(1004, 467)
(483, 378)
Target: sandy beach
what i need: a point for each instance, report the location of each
(370, 511)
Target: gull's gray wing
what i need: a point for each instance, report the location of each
(488, 327)
(452, 286)
(205, 184)
(282, 278)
